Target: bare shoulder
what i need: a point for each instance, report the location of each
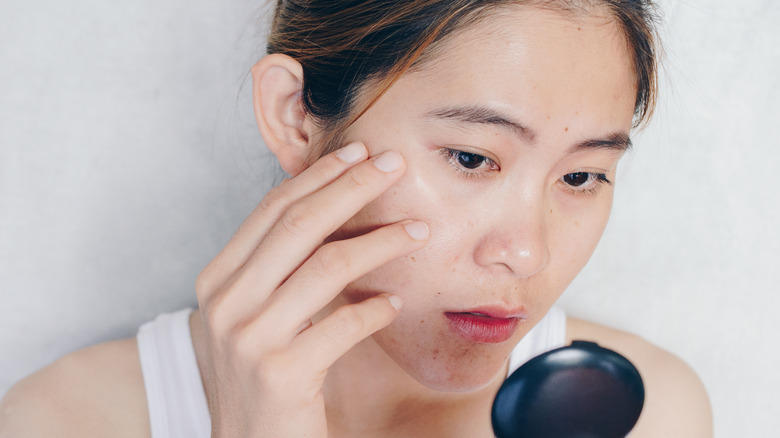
(93, 392)
(676, 402)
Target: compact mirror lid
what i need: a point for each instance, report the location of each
(579, 391)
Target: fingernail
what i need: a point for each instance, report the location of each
(395, 301)
(417, 230)
(351, 152)
(389, 161)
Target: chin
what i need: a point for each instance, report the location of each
(456, 383)
(447, 366)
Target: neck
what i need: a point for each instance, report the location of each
(368, 394)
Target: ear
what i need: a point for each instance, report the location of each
(277, 81)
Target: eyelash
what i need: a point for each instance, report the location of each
(452, 156)
(591, 187)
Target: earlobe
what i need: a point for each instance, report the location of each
(277, 81)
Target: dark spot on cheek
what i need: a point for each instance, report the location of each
(422, 321)
(411, 257)
(438, 293)
(566, 130)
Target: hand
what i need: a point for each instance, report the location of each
(267, 362)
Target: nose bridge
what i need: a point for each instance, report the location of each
(517, 237)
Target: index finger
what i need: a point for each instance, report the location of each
(304, 226)
(251, 232)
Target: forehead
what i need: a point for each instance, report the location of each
(537, 64)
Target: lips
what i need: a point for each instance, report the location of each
(484, 326)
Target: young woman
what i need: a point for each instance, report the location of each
(452, 170)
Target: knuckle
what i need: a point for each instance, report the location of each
(360, 179)
(204, 283)
(352, 323)
(277, 198)
(331, 260)
(298, 219)
(216, 316)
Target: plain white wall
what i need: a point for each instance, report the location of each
(128, 155)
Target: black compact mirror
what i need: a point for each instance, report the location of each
(579, 391)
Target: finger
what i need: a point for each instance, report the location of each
(325, 342)
(246, 239)
(304, 226)
(330, 270)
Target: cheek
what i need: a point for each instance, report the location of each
(419, 196)
(580, 227)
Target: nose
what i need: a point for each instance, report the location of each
(515, 241)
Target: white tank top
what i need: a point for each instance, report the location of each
(175, 394)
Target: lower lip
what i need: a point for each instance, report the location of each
(482, 329)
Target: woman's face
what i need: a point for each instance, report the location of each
(510, 135)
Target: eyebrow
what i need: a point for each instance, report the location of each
(619, 142)
(480, 115)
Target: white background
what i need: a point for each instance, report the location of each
(128, 155)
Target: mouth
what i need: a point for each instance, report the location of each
(485, 326)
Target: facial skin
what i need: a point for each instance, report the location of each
(509, 234)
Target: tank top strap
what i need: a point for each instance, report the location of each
(548, 334)
(174, 390)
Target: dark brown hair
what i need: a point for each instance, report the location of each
(345, 46)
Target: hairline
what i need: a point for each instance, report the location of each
(573, 10)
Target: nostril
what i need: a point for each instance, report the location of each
(520, 257)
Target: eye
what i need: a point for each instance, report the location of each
(469, 160)
(577, 179)
(469, 163)
(585, 182)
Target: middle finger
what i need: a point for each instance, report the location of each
(304, 226)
